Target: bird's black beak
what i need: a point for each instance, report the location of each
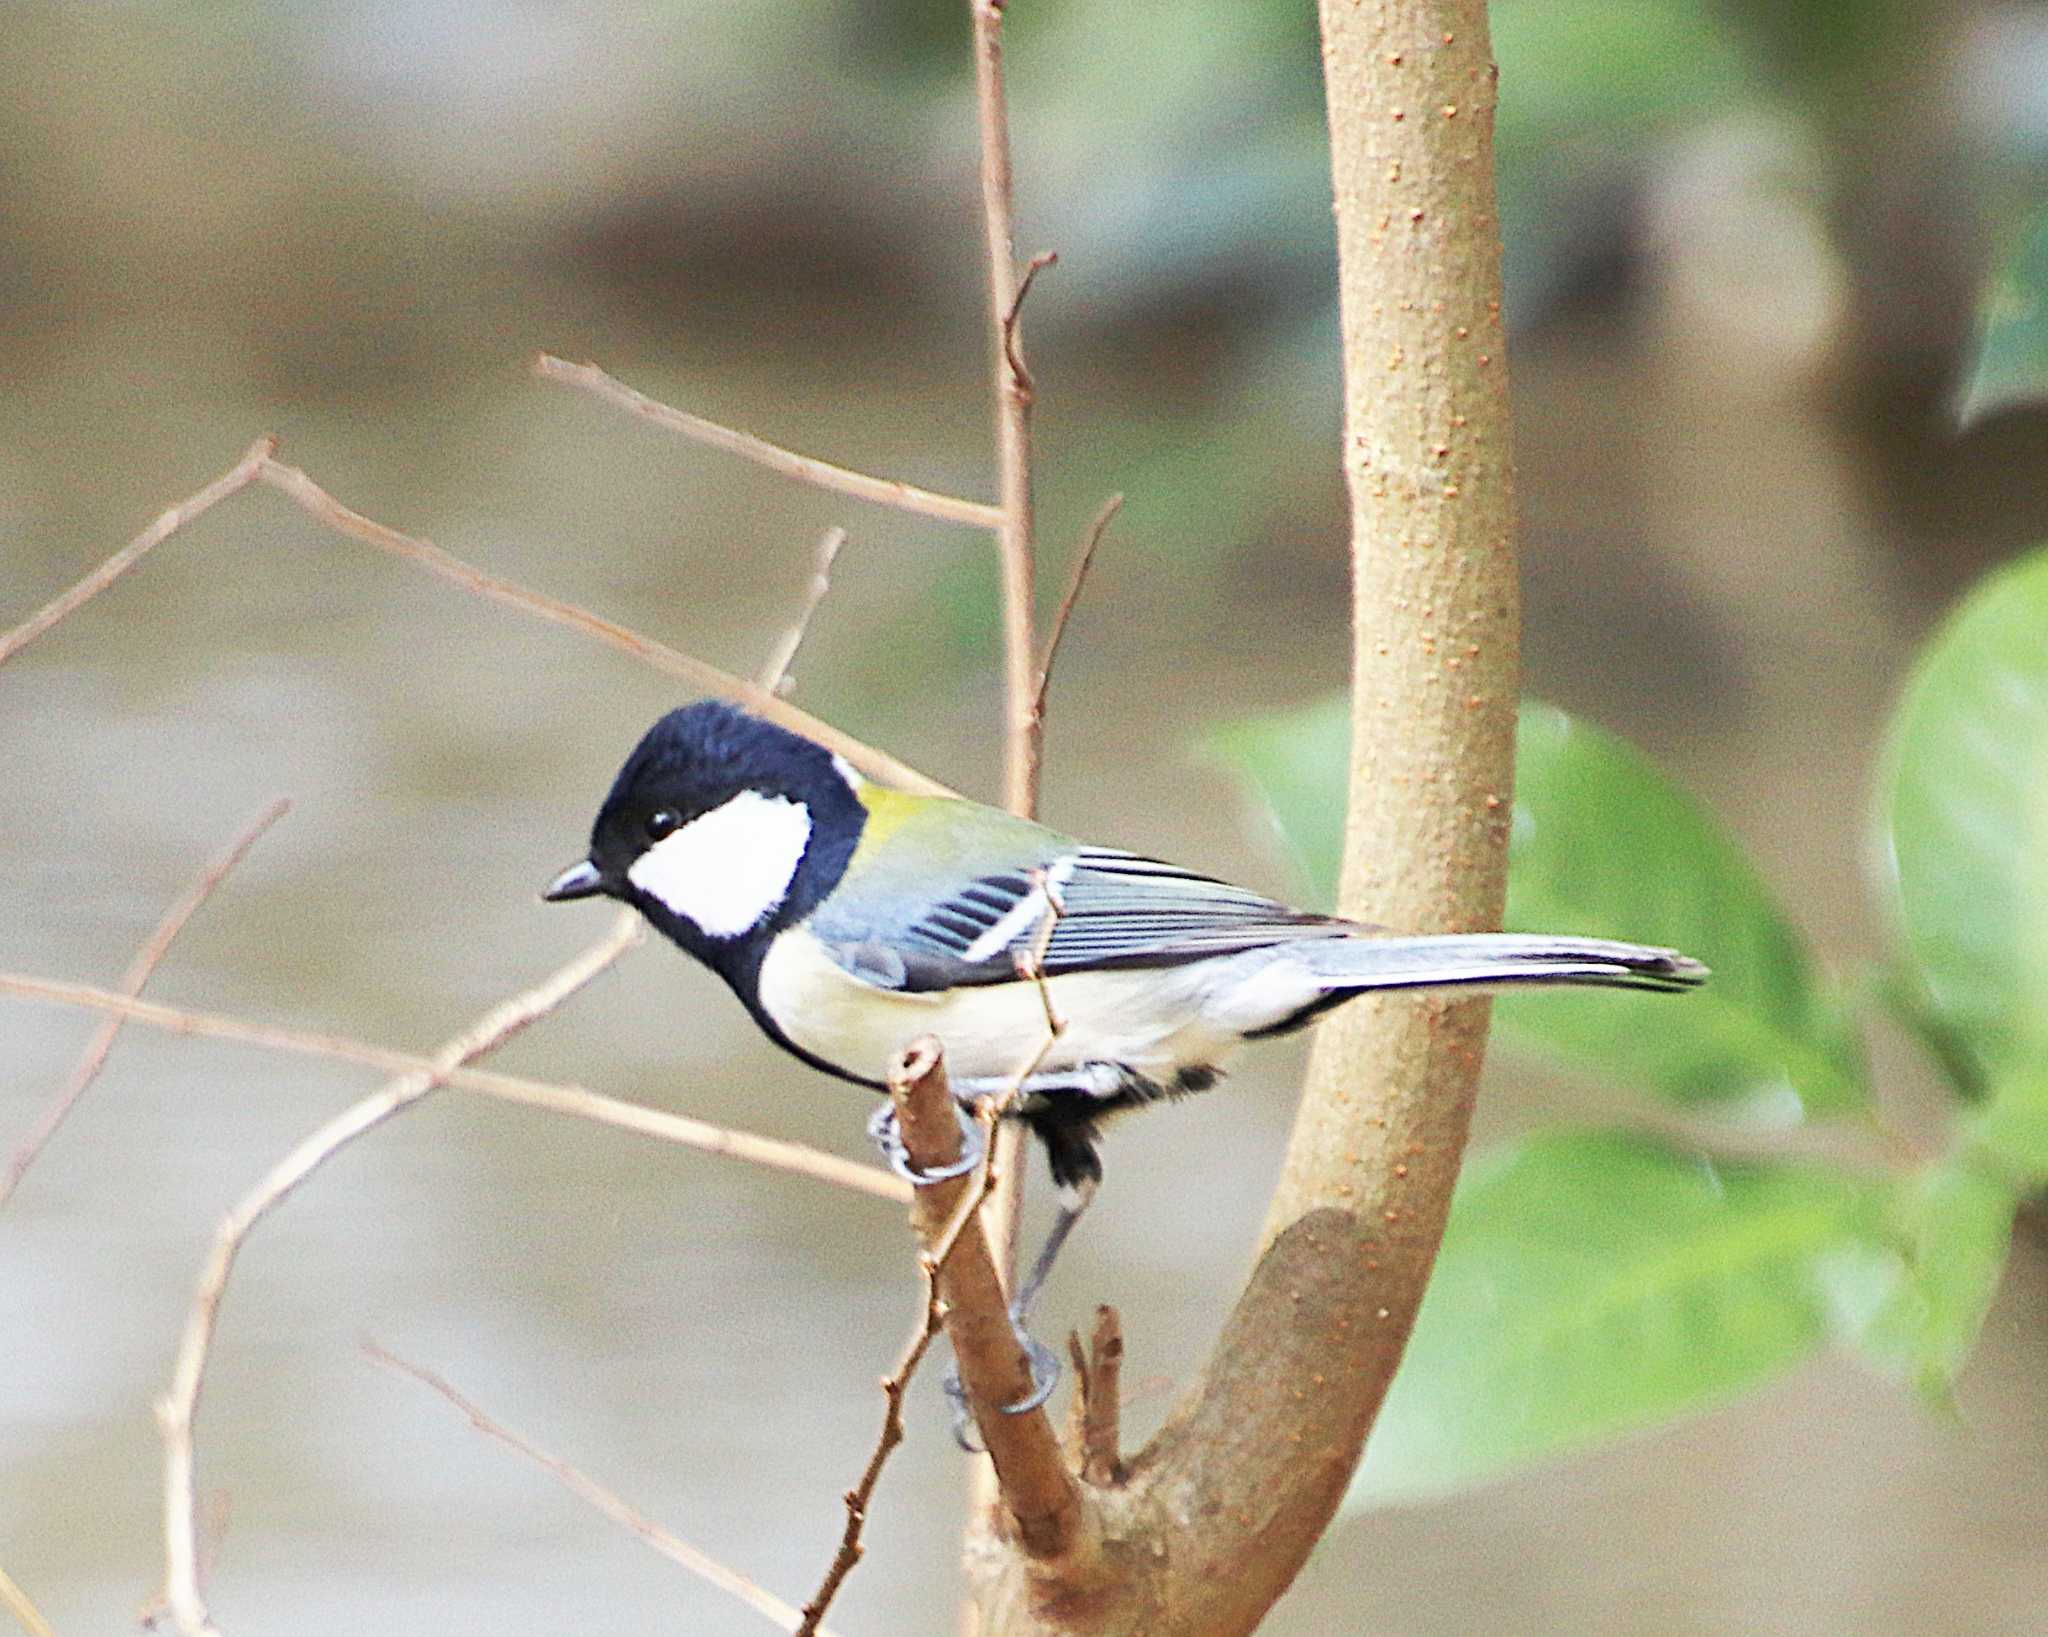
(579, 880)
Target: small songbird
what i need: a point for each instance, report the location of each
(849, 918)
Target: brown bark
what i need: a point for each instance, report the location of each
(1217, 1515)
(1042, 1499)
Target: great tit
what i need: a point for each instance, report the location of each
(849, 917)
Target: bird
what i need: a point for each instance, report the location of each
(849, 916)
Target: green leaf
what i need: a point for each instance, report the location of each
(1963, 820)
(1574, 69)
(2010, 1133)
(2009, 368)
(1297, 766)
(1591, 1283)
(1603, 843)
(1950, 1229)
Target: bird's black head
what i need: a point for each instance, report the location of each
(721, 829)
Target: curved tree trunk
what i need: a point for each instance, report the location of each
(1213, 1520)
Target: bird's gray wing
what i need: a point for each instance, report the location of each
(1119, 909)
(1091, 908)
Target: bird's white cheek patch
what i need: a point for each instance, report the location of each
(728, 869)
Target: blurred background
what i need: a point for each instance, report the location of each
(1747, 246)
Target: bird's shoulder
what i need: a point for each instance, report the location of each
(928, 880)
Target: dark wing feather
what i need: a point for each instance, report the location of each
(1115, 910)
(1118, 909)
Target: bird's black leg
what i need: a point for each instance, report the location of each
(882, 1131)
(1076, 1170)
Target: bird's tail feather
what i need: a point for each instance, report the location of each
(1494, 960)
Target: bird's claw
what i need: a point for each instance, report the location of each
(882, 1129)
(1045, 1375)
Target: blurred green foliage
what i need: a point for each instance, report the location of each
(2008, 364)
(1669, 874)
(1593, 1281)
(1963, 826)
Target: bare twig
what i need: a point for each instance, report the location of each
(1036, 1486)
(1011, 349)
(132, 981)
(1104, 515)
(576, 1101)
(987, 1111)
(894, 1385)
(289, 481)
(1030, 965)
(905, 497)
(1097, 1435)
(215, 1509)
(938, 1250)
(238, 477)
(15, 1601)
(179, 1407)
(292, 482)
(775, 677)
(592, 1493)
(1013, 413)
(1023, 729)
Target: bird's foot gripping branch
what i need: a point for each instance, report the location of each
(999, 1375)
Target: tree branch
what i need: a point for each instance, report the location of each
(576, 1101)
(1023, 729)
(592, 1493)
(1250, 1466)
(16, 1602)
(1038, 1490)
(1013, 412)
(304, 492)
(146, 961)
(903, 497)
(237, 478)
(1105, 514)
(775, 671)
(894, 1385)
(259, 465)
(1098, 1405)
(179, 1407)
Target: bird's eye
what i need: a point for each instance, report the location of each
(664, 821)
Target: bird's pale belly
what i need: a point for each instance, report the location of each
(1153, 1020)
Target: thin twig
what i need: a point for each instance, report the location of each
(937, 1253)
(238, 477)
(987, 1111)
(576, 1101)
(775, 677)
(1097, 1412)
(1036, 1486)
(302, 490)
(1011, 351)
(1030, 964)
(1013, 412)
(938, 1250)
(1023, 727)
(215, 1509)
(1104, 515)
(592, 1493)
(894, 1385)
(15, 1601)
(904, 497)
(179, 1407)
(132, 981)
